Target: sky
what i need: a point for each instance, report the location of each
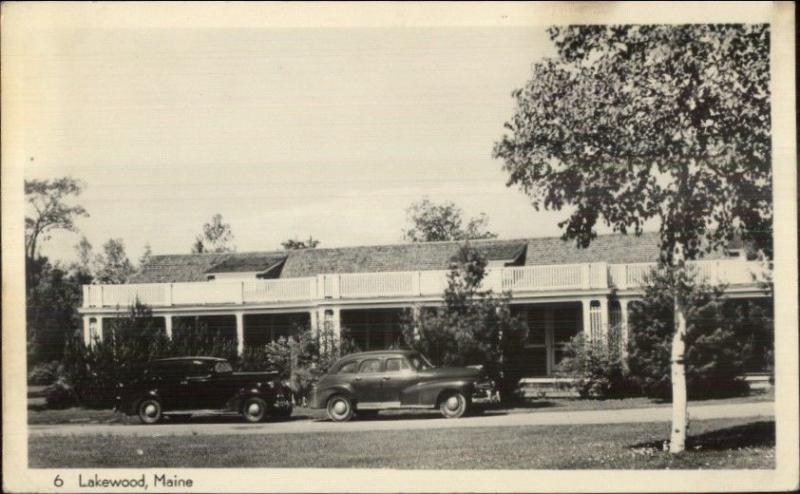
(290, 132)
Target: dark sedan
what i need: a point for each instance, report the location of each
(191, 385)
(365, 383)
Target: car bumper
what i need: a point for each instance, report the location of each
(485, 396)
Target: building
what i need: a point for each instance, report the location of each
(255, 297)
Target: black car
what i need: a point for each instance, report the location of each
(365, 383)
(192, 385)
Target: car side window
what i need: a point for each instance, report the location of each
(370, 366)
(198, 368)
(396, 365)
(348, 368)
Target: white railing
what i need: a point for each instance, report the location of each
(722, 271)
(558, 277)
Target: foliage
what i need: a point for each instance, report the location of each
(475, 326)
(718, 343)
(294, 244)
(146, 255)
(44, 373)
(47, 210)
(113, 265)
(51, 298)
(60, 395)
(433, 222)
(596, 368)
(632, 123)
(216, 237)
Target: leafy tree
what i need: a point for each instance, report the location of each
(146, 255)
(50, 309)
(113, 265)
(651, 122)
(216, 237)
(474, 327)
(86, 259)
(47, 210)
(431, 222)
(294, 244)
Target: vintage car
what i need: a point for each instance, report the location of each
(201, 385)
(365, 383)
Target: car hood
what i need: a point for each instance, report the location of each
(452, 372)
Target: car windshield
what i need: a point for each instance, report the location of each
(419, 362)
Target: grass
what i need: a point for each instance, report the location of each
(38, 414)
(713, 444)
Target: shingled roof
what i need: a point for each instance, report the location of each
(248, 263)
(612, 249)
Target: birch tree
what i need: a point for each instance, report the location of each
(632, 125)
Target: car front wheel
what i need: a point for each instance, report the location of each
(149, 411)
(340, 409)
(254, 409)
(453, 405)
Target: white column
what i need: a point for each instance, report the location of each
(603, 318)
(313, 320)
(168, 325)
(623, 325)
(87, 336)
(586, 304)
(239, 332)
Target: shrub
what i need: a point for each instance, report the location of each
(717, 343)
(596, 368)
(60, 395)
(44, 373)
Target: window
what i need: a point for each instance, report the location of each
(222, 368)
(198, 368)
(396, 365)
(348, 368)
(370, 366)
(419, 362)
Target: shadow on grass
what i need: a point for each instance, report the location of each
(756, 434)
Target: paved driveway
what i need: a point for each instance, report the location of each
(423, 421)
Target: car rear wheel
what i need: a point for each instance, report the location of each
(453, 405)
(149, 411)
(254, 409)
(340, 408)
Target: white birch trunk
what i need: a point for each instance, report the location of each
(680, 419)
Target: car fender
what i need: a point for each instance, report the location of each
(134, 403)
(322, 395)
(429, 392)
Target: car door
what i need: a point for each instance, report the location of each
(398, 375)
(199, 390)
(368, 381)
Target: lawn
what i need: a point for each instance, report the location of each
(38, 414)
(713, 444)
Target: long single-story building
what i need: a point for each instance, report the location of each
(255, 297)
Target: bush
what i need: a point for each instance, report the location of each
(596, 368)
(718, 346)
(44, 373)
(60, 395)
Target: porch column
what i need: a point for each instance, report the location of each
(98, 329)
(333, 321)
(586, 305)
(239, 332)
(168, 325)
(623, 326)
(313, 320)
(603, 329)
(87, 336)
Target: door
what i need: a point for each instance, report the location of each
(397, 377)
(199, 387)
(368, 381)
